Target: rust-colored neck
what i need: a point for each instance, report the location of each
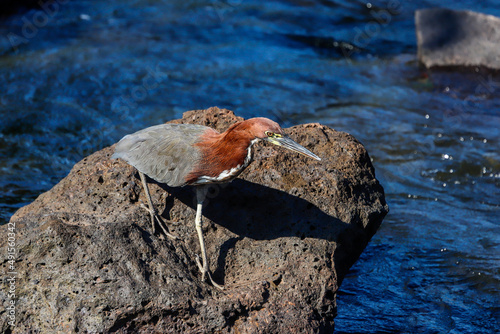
(222, 153)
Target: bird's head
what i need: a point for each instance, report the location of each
(268, 130)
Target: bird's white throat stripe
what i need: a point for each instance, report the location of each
(230, 173)
(248, 158)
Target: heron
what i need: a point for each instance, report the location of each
(189, 154)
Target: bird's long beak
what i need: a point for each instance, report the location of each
(291, 145)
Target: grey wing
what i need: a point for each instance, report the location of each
(164, 152)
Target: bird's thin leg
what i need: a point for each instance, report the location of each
(200, 197)
(152, 210)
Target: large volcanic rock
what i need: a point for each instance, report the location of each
(280, 238)
(448, 37)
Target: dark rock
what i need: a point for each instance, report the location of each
(457, 38)
(280, 238)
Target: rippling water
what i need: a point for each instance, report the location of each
(94, 71)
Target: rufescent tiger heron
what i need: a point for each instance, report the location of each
(197, 155)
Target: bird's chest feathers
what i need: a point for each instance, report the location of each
(224, 163)
(229, 171)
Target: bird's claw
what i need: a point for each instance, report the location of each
(168, 234)
(159, 220)
(207, 272)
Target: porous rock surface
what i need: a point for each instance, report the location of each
(280, 238)
(453, 38)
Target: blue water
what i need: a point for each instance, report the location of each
(89, 72)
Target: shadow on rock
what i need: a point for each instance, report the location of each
(262, 213)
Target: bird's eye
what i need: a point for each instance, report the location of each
(269, 134)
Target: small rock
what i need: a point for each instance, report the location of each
(448, 37)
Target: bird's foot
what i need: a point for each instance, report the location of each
(159, 220)
(163, 227)
(204, 271)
